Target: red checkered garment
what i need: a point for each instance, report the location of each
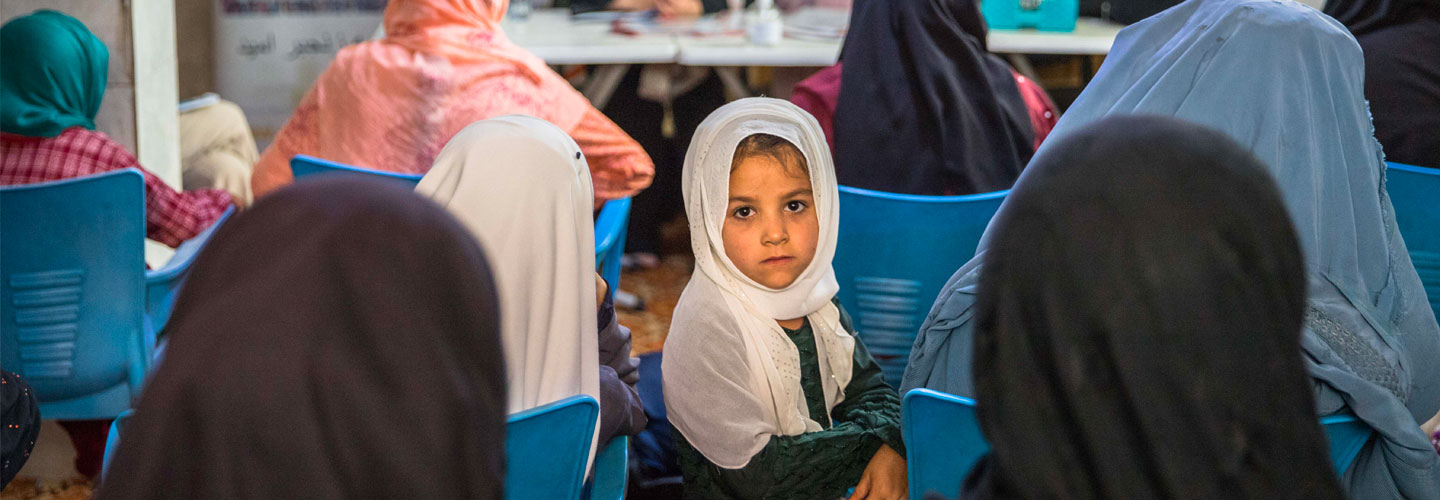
(171, 216)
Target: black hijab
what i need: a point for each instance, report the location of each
(923, 108)
(1365, 16)
(1138, 327)
(1401, 40)
(339, 340)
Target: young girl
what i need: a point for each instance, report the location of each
(770, 392)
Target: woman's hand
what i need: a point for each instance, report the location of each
(884, 477)
(1430, 427)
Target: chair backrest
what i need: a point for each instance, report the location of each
(112, 441)
(72, 285)
(303, 166)
(547, 449)
(1415, 194)
(942, 441)
(1347, 436)
(895, 252)
(611, 227)
(612, 469)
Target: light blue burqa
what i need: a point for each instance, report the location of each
(1287, 82)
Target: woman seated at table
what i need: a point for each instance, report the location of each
(391, 104)
(921, 107)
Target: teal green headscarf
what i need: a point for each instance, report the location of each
(52, 74)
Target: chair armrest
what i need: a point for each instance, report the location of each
(163, 285)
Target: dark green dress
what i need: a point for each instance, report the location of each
(820, 465)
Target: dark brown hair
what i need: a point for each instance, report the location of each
(783, 151)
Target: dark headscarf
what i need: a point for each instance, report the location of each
(1139, 324)
(339, 340)
(1401, 40)
(1365, 16)
(53, 76)
(923, 108)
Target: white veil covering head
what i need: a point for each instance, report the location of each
(732, 377)
(523, 189)
(1286, 81)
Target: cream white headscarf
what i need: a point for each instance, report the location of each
(523, 189)
(732, 377)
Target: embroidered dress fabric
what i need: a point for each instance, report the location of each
(732, 376)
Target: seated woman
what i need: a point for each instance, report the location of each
(391, 104)
(51, 84)
(920, 107)
(1402, 72)
(1285, 82)
(338, 340)
(1138, 326)
(50, 89)
(522, 187)
(770, 393)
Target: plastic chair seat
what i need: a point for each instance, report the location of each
(1415, 194)
(547, 449)
(1347, 436)
(895, 252)
(942, 441)
(612, 470)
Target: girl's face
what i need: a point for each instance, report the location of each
(770, 227)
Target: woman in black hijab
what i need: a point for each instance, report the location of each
(1401, 40)
(1138, 329)
(924, 108)
(339, 340)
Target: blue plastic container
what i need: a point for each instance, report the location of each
(1044, 15)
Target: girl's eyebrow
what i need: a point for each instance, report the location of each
(742, 199)
(798, 192)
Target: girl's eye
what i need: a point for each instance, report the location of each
(795, 206)
(744, 212)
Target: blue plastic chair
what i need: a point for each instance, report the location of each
(81, 312)
(895, 253)
(112, 441)
(1415, 194)
(611, 227)
(1347, 436)
(612, 469)
(72, 281)
(303, 166)
(942, 441)
(547, 448)
(163, 285)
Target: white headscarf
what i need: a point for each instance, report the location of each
(523, 189)
(732, 377)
